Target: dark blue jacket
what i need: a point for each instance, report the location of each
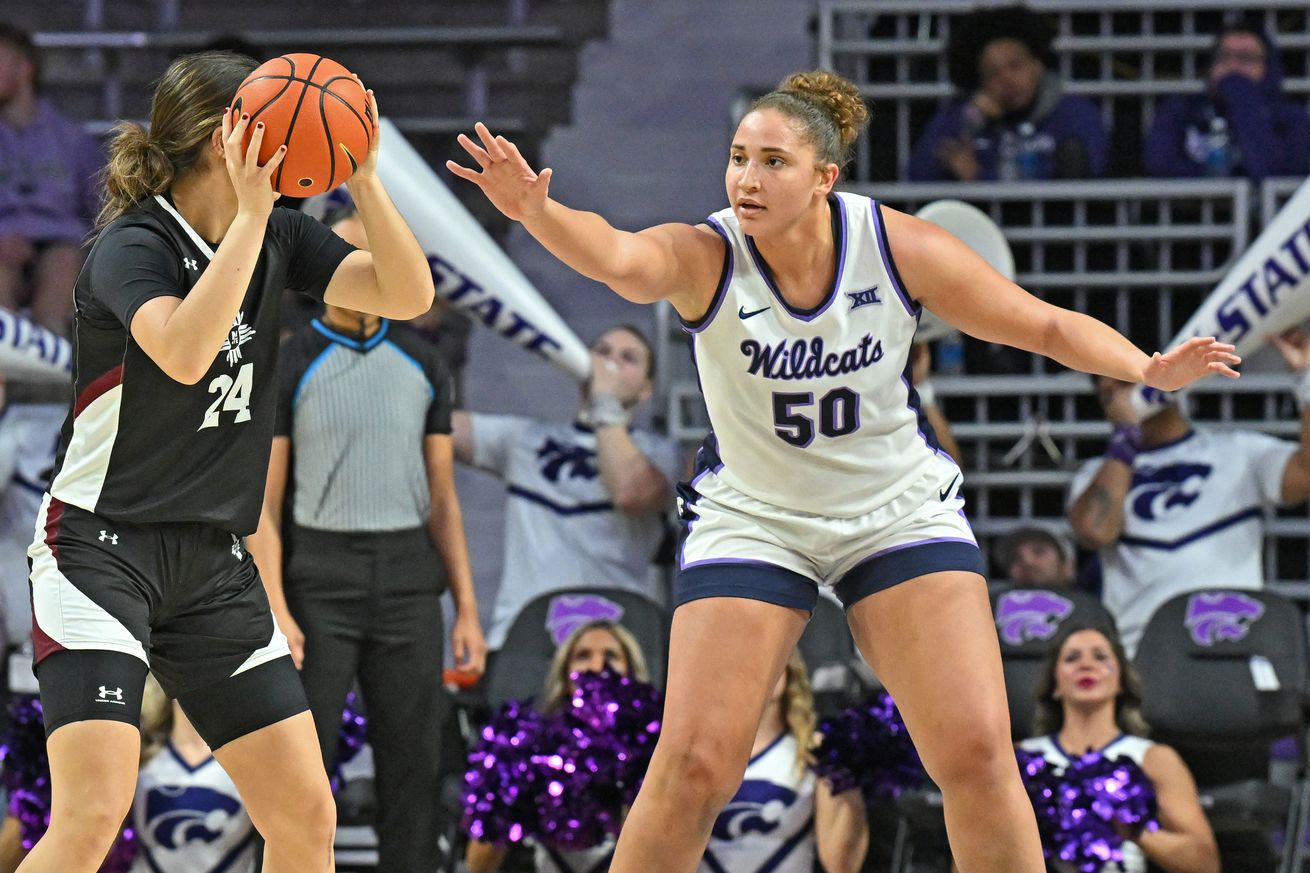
(1074, 141)
(1271, 134)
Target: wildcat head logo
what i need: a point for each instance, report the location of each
(555, 457)
(758, 807)
(1221, 616)
(1161, 491)
(177, 817)
(1030, 615)
(568, 612)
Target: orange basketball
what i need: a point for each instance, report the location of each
(318, 110)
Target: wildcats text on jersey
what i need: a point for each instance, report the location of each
(802, 359)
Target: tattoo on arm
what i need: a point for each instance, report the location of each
(1100, 505)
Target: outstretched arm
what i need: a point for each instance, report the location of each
(946, 276)
(677, 262)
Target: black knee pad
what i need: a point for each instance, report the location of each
(86, 684)
(242, 704)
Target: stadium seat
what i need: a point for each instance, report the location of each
(1225, 676)
(520, 667)
(1027, 620)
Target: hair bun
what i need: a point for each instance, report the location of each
(839, 97)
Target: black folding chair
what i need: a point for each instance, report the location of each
(1225, 675)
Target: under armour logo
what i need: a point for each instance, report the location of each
(105, 694)
(236, 547)
(864, 298)
(107, 537)
(190, 264)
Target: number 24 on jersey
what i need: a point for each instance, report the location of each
(233, 396)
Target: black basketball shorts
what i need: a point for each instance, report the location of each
(183, 600)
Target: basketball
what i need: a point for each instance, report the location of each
(318, 110)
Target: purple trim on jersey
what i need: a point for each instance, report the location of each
(747, 562)
(747, 579)
(725, 279)
(843, 234)
(1167, 445)
(892, 566)
(177, 756)
(885, 249)
(1254, 512)
(921, 420)
(769, 748)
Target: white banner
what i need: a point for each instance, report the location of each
(1268, 289)
(30, 353)
(468, 268)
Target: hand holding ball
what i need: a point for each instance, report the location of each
(318, 110)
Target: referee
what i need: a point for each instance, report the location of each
(363, 438)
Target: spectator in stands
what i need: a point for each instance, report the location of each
(1090, 699)
(375, 536)
(783, 817)
(1012, 120)
(587, 500)
(48, 192)
(1240, 125)
(592, 647)
(29, 428)
(1035, 557)
(181, 783)
(1173, 507)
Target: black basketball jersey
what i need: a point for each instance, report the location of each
(141, 447)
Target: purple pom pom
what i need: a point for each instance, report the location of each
(354, 734)
(868, 747)
(564, 779)
(1082, 811)
(26, 776)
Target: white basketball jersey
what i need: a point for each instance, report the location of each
(190, 820)
(1124, 746)
(768, 826)
(1194, 517)
(812, 410)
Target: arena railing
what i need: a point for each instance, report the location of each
(106, 54)
(1127, 52)
(1025, 435)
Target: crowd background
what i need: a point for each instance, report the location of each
(1130, 155)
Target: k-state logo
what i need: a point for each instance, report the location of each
(568, 612)
(757, 808)
(177, 816)
(1221, 616)
(1158, 492)
(864, 298)
(554, 457)
(1030, 615)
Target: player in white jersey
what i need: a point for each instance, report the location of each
(782, 818)
(1089, 699)
(804, 305)
(1173, 507)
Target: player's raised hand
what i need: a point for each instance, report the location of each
(253, 183)
(509, 183)
(1184, 364)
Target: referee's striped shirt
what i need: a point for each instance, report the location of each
(357, 412)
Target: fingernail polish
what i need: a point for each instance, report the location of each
(259, 125)
(245, 116)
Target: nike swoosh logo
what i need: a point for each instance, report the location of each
(946, 492)
(743, 314)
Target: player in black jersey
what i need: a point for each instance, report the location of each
(139, 560)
